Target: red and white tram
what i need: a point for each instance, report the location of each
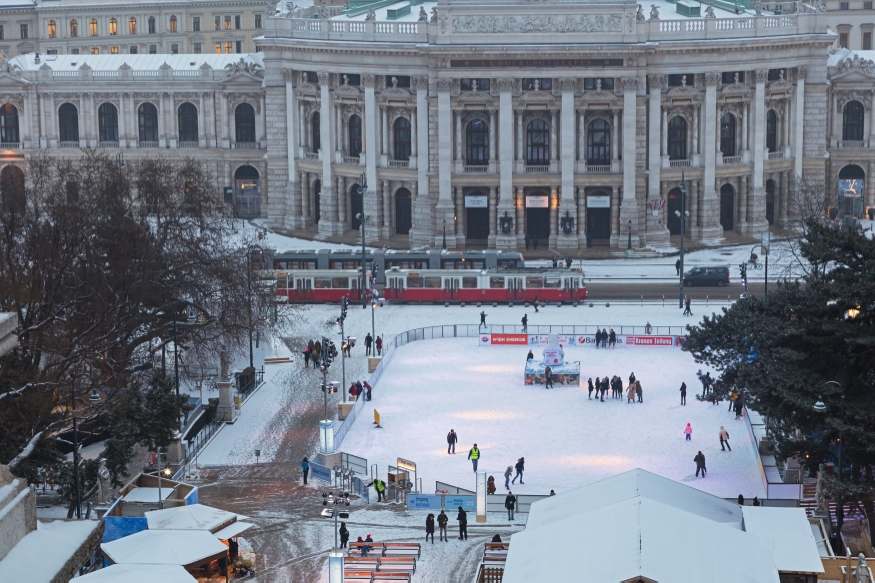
(438, 285)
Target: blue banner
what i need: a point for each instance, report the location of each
(320, 472)
(468, 503)
(423, 502)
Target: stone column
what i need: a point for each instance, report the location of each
(420, 233)
(658, 130)
(226, 140)
(559, 239)
(493, 215)
(756, 207)
(133, 133)
(614, 134)
(783, 190)
(459, 216)
(628, 205)
(710, 228)
(520, 135)
(328, 223)
(581, 149)
(413, 140)
(785, 125)
(693, 202)
(741, 207)
(745, 145)
(384, 201)
(663, 137)
(554, 216)
(260, 132)
(343, 203)
(696, 113)
(492, 144)
(445, 208)
(519, 224)
(42, 103)
(798, 138)
(505, 162)
(80, 105)
(460, 157)
(306, 212)
(384, 125)
(370, 203)
(554, 133)
(292, 215)
(90, 125)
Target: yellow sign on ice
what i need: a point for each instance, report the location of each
(377, 418)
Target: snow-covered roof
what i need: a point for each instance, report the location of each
(11, 4)
(190, 517)
(138, 574)
(148, 495)
(141, 62)
(633, 484)
(632, 538)
(232, 530)
(789, 534)
(163, 547)
(42, 554)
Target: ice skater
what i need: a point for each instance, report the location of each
(520, 468)
(724, 439)
(429, 528)
(630, 393)
(604, 338)
(700, 464)
(677, 267)
(612, 339)
(548, 378)
(378, 344)
(598, 337)
(525, 322)
(689, 432)
(452, 438)
(536, 304)
(687, 302)
(482, 319)
(683, 394)
(442, 521)
(474, 455)
(639, 391)
(590, 389)
(530, 356)
(507, 474)
(510, 504)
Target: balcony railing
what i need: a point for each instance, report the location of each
(399, 163)
(680, 163)
(311, 156)
(187, 144)
(68, 144)
(598, 168)
(245, 145)
(10, 145)
(852, 144)
(537, 169)
(729, 160)
(108, 144)
(777, 155)
(147, 144)
(351, 160)
(477, 168)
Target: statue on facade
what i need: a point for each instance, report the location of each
(821, 6)
(323, 10)
(639, 15)
(654, 12)
(346, 80)
(434, 14)
(371, 16)
(709, 12)
(423, 15)
(683, 80)
(758, 8)
(861, 573)
(819, 493)
(394, 82)
(104, 487)
(223, 366)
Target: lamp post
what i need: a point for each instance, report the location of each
(158, 472)
(683, 217)
(444, 240)
(363, 186)
(765, 251)
(75, 447)
(820, 407)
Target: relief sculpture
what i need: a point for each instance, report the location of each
(522, 24)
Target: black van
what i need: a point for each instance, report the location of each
(708, 275)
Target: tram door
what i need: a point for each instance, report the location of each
(395, 287)
(302, 288)
(514, 287)
(451, 288)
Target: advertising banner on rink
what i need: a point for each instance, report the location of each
(504, 339)
(582, 340)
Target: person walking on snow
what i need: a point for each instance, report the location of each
(510, 504)
(677, 267)
(689, 432)
(724, 439)
(306, 353)
(462, 517)
(630, 393)
(380, 486)
(738, 408)
(548, 376)
(687, 311)
(507, 474)
(683, 394)
(733, 397)
(598, 337)
(367, 388)
(530, 356)
(639, 391)
(305, 466)
(612, 339)
(482, 319)
(632, 379)
(452, 438)
(378, 344)
(604, 338)
(590, 389)
(520, 468)
(474, 455)
(525, 322)
(344, 535)
(429, 528)
(700, 464)
(536, 303)
(369, 341)
(442, 520)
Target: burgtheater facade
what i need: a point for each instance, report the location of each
(569, 122)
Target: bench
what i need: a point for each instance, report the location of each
(398, 564)
(387, 577)
(357, 576)
(362, 563)
(496, 546)
(355, 549)
(402, 550)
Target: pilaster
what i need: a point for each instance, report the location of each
(505, 238)
(567, 135)
(328, 206)
(420, 233)
(445, 209)
(710, 229)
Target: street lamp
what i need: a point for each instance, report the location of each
(820, 407)
(444, 241)
(166, 472)
(336, 500)
(363, 218)
(683, 217)
(629, 243)
(248, 289)
(93, 398)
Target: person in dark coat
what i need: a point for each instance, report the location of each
(344, 535)
(537, 303)
(738, 408)
(535, 242)
(525, 322)
(598, 337)
(548, 378)
(490, 485)
(700, 464)
(683, 394)
(568, 262)
(369, 340)
(496, 538)
(510, 504)
(482, 319)
(612, 338)
(677, 267)
(604, 338)
(520, 468)
(452, 438)
(378, 344)
(631, 378)
(429, 528)
(307, 356)
(756, 501)
(305, 467)
(442, 520)
(530, 356)
(462, 517)
(639, 391)
(590, 389)
(740, 500)
(367, 388)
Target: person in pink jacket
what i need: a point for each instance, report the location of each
(688, 430)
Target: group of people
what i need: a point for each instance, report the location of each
(603, 338)
(615, 384)
(312, 353)
(442, 519)
(375, 345)
(358, 389)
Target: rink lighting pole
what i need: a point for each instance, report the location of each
(683, 217)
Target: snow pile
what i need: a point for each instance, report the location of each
(43, 553)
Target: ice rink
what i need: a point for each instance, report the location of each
(567, 439)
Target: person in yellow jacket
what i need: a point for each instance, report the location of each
(733, 397)
(380, 486)
(474, 455)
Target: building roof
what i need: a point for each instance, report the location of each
(189, 517)
(139, 574)
(148, 495)
(789, 536)
(136, 62)
(163, 547)
(44, 552)
(13, 4)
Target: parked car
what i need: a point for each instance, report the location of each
(708, 275)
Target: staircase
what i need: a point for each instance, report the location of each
(809, 503)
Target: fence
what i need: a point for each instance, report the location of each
(196, 443)
(352, 462)
(450, 489)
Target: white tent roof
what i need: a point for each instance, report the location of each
(148, 495)
(138, 574)
(232, 530)
(632, 538)
(163, 547)
(629, 485)
(787, 533)
(191, 517)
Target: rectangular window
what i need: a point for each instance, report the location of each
(321, 283)
(228, 47)
(592, 83)
(239, 46)
(343, 264)
(414, 282)
(777, 74)
(73, 51)
(1, 32)
(174, 49)
(529, 84)
(681, 79)
(227, 23)
(867, 5)
(867, 41)
(95, 51)
(258, 20)
(496, 282)
(197, 48)
(55, 52)
(218, 23)
(351, 79)
(727, 78)
(153, 49)
(534, 282)
(311, 77)
(843, 40)
(23, 30)
(134, 50)
(469, 282)
(433, 282)
(340, 282)
(218, 48)
(237, 22)
(844, 5)
(474, 84)
(113, 50)
(402, 81)
(196, 23)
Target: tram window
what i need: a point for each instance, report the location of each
(463, 264)
(294, 265)
(469, 282)
(553, 282)
(534, 282)
(341, 264)
(340, 282)
(433, 282)
(507, 263)
(414, 282)
(406, 265)
(321, 283)
(281, 281)
(496, 282)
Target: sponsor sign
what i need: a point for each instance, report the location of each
(320, 472)
(504, 339)
(598, 202)
(468, 503)
(552, 357)
(650, 340)
(579, 340)
(563, 339)
(423, 502)
(537, 201)
(476, 202)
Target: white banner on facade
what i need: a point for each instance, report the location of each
(476, 202)
(537, 201)
(598, 202)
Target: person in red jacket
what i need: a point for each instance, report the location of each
(379, 344)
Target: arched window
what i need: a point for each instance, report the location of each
(107, 122)
(771, 130)
(148, 118)
(172, 24)
(52, 29)
(598, 143)
(677, 138)
(68, 123)
(8, 124)
(727, 134)
(132, 25)
(12, 189)
(852, 123)
(188, 130)
(315, 133)
(477, 142)
(244, 123)
(92, 27)
(246, 192)
(151, 25)
(74, 28)
(113, 26)
(401, 131)
(538, 143)
(354, 130)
